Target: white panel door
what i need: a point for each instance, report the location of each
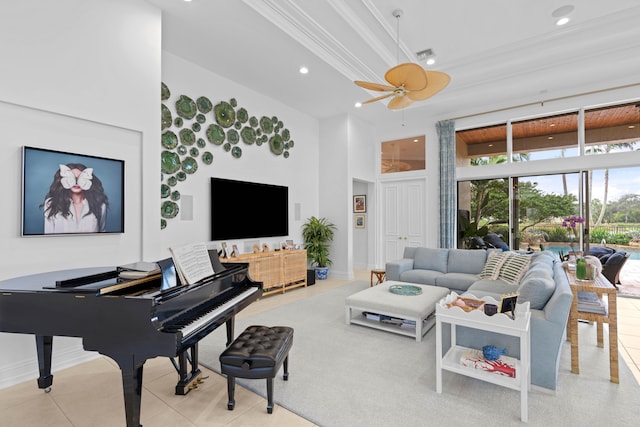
(403, 220)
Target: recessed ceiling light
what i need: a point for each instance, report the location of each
(632, 126)
(304, 70)
(563, 13)
(490, 145)
(562, 21)
(431, 61)
(358, 104)
(549, 137)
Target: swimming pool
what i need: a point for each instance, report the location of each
(635, 253)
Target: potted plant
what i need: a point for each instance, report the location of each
(317, 234)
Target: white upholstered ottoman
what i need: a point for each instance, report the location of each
(371, 306)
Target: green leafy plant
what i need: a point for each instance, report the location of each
(318, 234)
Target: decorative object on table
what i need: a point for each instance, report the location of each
(224, 254)
(359, 221)
(570, 223)
(359, 204)
(318, 234)
(256, 248)
(235, 251)
(405, 289)
(466, 304)
(490, 309)
(581, 269)
(508, 304)
(475, 359)
(491, 352)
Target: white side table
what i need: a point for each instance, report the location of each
(499, 323)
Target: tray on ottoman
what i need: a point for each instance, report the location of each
(371, 306)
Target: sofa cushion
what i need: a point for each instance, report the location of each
(490, 287)
(456, 281)
(423, 277)
(514, 267)
(491, 269)
(537, 287)
(431, 259)
(466, 261)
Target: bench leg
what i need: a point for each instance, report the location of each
(270, 395)
(231, 386)
(285, 376)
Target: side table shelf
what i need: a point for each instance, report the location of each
(499, 323)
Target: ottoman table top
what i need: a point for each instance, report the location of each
(381, 299)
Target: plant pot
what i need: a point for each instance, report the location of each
(321, 273)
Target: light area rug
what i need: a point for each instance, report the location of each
(350, 375)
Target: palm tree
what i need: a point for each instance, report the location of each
(606, 148)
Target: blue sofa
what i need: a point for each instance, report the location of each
(544, 284)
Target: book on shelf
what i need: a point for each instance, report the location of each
(192, 262)
(505, 365)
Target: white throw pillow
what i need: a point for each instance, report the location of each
(494, 263)
(514, 267)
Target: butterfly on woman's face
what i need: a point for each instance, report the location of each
(69, 179)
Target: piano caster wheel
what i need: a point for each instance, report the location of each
(230, 405)
(47, 390)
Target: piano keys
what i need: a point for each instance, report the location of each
(129, 321)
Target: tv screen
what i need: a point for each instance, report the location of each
(66, 193)
(248, 210)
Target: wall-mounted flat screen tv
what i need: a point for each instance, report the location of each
(67, 193)
(248, 210)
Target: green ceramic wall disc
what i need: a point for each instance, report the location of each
(215, 134)
(266, 124)
(225, 114)
(186, 107)
(164, 191)
(169, 140)
(170, 162)
(187, 137)
(165, 93)
(232, 136)
(166, 116)
(204, 105)
(248, 135)
(236, 152)
(189, 165)
(169, 209)
(276, 144)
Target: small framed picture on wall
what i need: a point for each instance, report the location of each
(359, 221)
(360, 204)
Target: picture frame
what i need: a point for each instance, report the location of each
(359, 203)
(95, 185)
(359, 221)
(508, 304)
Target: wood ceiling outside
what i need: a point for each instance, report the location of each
(606, 117)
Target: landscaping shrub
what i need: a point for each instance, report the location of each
(557, 234)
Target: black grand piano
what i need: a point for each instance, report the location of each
(130, 320)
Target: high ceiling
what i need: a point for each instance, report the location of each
(499, 53)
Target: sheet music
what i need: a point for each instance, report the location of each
(192, 262)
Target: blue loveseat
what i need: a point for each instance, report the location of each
(544, 284)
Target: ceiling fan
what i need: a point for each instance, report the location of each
(408, 82)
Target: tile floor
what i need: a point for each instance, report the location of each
(91, 393)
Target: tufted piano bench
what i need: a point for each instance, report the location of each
(257, 353)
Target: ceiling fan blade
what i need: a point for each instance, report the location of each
(377, 98)
(436, 82)
(399, 102)
(410, 75)
(375, 86)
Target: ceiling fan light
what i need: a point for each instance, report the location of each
(431, 61)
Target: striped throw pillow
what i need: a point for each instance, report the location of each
(514, 268)
(495, 260)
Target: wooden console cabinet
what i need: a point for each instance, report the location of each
(277, 270)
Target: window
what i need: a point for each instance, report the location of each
(403, 155)
(481, 145)
(546, 137)
(612, 129)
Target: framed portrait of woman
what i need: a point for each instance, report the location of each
(68, 193)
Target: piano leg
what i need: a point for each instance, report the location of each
(44, 345)
(230, 330)
(188, 381)
(132, 387)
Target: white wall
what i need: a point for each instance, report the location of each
(257, 164)
(80, 76)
